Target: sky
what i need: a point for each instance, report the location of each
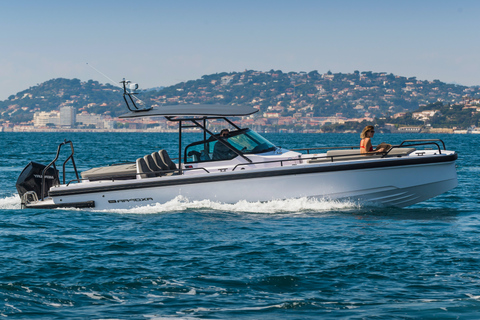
(161, 43)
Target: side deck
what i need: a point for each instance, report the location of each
(152, 165)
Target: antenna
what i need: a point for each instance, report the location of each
(113, 82)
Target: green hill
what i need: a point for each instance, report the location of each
(351, 95)
(50, 95)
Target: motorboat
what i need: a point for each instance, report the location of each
(240, 164)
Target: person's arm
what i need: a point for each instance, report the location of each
(383, 147)
(368, 146)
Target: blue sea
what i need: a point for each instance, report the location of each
(290, 259)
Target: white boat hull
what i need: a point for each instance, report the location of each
(396, 185)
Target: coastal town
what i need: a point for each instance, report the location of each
(287, 102)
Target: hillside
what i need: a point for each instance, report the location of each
(51, 95)
(293, 94)
(353, 95)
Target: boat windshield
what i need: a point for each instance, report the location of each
(250, 142)
(244, 141)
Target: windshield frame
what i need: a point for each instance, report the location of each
(242, 141)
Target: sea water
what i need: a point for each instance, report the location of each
(289, 259)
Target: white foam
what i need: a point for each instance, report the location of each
(27, 289)
(294, 206)
(93, 295)
(11, 202)
(192, 292)
(473, 296)
(54, 304)
(180, 203)
(115, 298)
(203, 309)
(11, 306)
(176, 317)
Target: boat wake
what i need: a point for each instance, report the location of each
(289, 206)
(180, 203)
(11, 202)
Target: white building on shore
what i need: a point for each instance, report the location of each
(67, 117)
(90, 119)
(64, 118)
(43, 118)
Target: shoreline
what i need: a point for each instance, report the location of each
(14, 129)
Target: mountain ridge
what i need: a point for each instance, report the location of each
(294, 94)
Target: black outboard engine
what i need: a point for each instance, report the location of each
(31, 180)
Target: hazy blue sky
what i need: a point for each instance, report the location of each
(160, 43)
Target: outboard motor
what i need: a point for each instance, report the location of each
(31, 180)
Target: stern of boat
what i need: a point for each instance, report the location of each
(36, 180)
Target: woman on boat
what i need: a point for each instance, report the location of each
(366, 142)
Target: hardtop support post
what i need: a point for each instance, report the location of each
(180, 147)
(205, 133)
